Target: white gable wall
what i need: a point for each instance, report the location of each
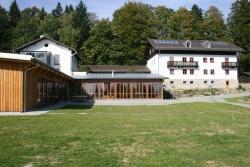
(65, 54)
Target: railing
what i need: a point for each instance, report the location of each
(229, 64)
(182, 64)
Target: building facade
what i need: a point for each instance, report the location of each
(194, 64)
(53, 53)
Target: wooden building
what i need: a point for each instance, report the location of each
(27, 83)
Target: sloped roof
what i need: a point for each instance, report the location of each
(133, 76)
(115, 69)
(196, 45)
(45, 38)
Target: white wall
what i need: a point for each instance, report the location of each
(66, 65)
(158, 65)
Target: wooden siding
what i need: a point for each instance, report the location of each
(11, 86)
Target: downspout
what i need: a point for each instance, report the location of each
(25, 86)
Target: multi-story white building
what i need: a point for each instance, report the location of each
(53, 53)
(194, 64)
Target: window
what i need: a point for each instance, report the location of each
(212, 82)
(184, 71)
(184, 59)
(184, 82)
(188, 44)
(191, 82)
(212, 72)
(204, 60)
(171, 71)
(40, 55)
(211, 60)
(46, 45)
(226, 60)
(56, 59)
(205, 72)
(171, 58)
(191, 59)
(192, 71)
(227, 72)
(171, 82)
(205, 82)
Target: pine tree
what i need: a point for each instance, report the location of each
(4, 32)
(67, 10)
(196, 11)
(58, 10)
(42, 14)
(14, 13)
(81, 23)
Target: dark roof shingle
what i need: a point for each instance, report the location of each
(114, 68)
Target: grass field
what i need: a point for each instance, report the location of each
(179, 135)
(245, 100)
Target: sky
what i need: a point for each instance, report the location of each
(105, 8)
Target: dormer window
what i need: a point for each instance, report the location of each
(188, 44)
(207, 44)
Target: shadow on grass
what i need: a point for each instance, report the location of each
(76, 107)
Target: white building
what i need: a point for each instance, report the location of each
(53, 53)
(194, 64)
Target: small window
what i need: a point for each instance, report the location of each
(46, 45)
(191, 59)
(40, 55)
(184, 59)
(192, 71)
(205, 82)
(184, 71)
(171, 82)
(227, 72)
(204, 60)
(211, 60)
(205, 72)
(56, 59)
(184, 82)
(212, 82)
(188, 44)
(191, 82)
(212, 72)
(172, 71)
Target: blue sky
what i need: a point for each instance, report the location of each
(105, 8)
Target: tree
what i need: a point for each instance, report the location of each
(4, 30)
(81, 23)
(27, 29)
(97, 48)
(67, 33)
(14, 13)
(162, 15)
(239, 29)
(42, 14)
(133, 24)
(58, 10)
(213, 25)
(50, 25)
(197, 12)
(182, 25)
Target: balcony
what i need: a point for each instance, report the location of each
(182, 64)
(229, 64)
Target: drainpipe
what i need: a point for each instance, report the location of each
(25, 86)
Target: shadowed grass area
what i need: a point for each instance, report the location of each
(197, 134)
(245, 100)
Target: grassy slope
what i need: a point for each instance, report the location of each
(178, 135)
(245, 99)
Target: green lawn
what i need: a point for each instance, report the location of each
(245, 100)
(179, 135)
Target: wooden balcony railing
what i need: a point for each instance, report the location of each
(229, 64)
(182, 64)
